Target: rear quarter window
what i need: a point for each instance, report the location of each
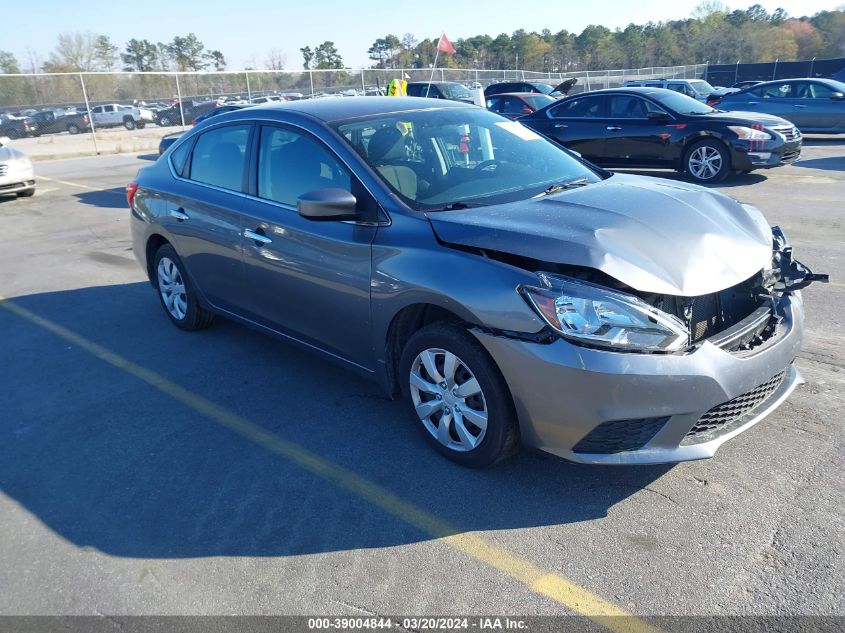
(219, 157)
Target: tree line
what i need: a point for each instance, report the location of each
(714, 33)
(89, 52)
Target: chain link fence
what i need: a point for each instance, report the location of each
(174, 99)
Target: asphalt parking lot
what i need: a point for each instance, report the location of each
(145, 470)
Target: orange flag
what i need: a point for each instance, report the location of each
(445, 45)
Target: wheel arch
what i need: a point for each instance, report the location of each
(154, 242)
(404, 324)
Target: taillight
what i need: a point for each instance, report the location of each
(85, 119)
(131, 190)
(712, 102)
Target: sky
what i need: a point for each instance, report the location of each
(247, 30)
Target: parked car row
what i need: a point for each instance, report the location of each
(509, 291)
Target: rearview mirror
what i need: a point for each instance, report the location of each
(658, 117)
(837, 96)
(327, 204)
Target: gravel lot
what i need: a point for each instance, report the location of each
(118, 499)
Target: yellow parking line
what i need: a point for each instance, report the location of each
(554, 586)
(80, 186)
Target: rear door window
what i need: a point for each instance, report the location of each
(582, 108)
(219, 157)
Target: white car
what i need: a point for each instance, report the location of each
(16, 173)
(115, 114)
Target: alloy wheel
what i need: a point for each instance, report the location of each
(172, 288)
(448, 399)
(705, 162)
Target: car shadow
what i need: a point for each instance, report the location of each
(149, 157)
(734, 180)
(830, 163)
(107, 461)
(114, 198)
(823, 140)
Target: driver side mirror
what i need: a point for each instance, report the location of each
(658, 117)
(837, 96)
(327, 204)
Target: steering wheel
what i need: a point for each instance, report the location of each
(488, 166)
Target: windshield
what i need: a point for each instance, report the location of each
(460, 156)
(702, 87)
(680, 103)
(544, 88)
(455, 91)
(838, 86)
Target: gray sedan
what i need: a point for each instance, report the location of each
(813, 105)
(509, 292)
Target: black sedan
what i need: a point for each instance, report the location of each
(655, 127)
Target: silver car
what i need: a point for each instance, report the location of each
(16, 173)
(508, 291)
(813, 105)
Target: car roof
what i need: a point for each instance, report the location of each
(637, 90)
(329, 110)
(434, 83)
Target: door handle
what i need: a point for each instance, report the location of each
(257, 237)
(557, 125)
(798, 105)
(753, 102)
(613, 128)
(179, 214)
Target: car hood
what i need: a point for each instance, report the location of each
(744, 118)
(9, 154)
(652, 235)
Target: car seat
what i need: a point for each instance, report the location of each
(386, 152)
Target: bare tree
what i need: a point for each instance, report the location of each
(276, 59)
(73, 52)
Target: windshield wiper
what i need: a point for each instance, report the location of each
(455, 206)
(563, 186)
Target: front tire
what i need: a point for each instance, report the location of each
(73, 129)
(457, 397)
(165, 121)
(141, 125)
(177, 295)
(26, 193)
(707, 161)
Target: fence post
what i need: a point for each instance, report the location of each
(736, 72)
(812, 63)
(248, 90)
(179, 96)
(363, 87)
(90, 116)
(775, 70)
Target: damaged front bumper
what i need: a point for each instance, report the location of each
(604, 407)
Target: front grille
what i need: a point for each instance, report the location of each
(617, 436)
(790, 157)
(3, 169)
(718, 418)
(704, 318)
(788, 132)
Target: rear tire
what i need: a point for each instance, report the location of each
(707, 161)
(73, 129)
(472, 420)
(141, 125)
(176, 293)
(165, 121)
(129, 124)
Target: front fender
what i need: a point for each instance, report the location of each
(411, 267)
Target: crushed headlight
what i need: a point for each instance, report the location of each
(591, 314)
(750, 134)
